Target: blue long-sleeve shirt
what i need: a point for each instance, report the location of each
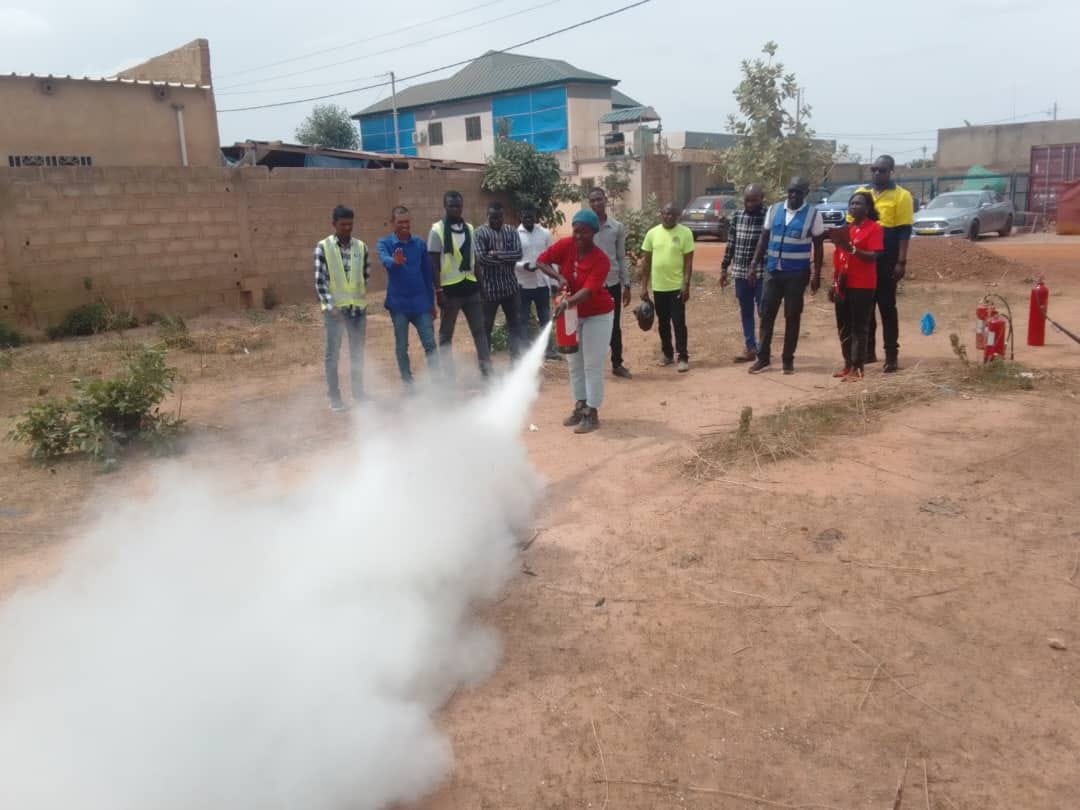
(409, 289)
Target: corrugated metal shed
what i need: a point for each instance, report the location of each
(494, 72)
(629, 115)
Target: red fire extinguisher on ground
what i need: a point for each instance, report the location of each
(982, 314)
(566, 327)
(1040, 298)
(996, 327)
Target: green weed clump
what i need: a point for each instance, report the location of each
(104, 416)
(92, 319)
(11, 338)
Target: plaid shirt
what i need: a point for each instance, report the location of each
(322, 272)
(497, 277)
(742, 241)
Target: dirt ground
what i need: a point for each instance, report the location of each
(788, 636)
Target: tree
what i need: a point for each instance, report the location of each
(924, 163)
(328, 125)
(638, 221)
(617, 181)
(773, 138)
(530, 178)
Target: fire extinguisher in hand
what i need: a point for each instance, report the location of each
(566, 323)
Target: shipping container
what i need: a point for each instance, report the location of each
(1051, 166)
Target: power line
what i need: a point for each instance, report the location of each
(367, 39)
(442, 67)
(395, 49)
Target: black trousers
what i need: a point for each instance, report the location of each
(511, 307)
(787, 289)
(616, 330)
(885, 299)
(671, 312)
(853, 313)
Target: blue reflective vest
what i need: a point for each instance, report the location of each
(791, 244)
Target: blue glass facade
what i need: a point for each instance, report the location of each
(537, 117)
(377, 133)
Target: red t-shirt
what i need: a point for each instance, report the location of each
(588, 272)
(859, 273)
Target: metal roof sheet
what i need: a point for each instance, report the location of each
(627, 115)
(105, 80)
(494, 72)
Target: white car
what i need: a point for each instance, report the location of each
(965, 213)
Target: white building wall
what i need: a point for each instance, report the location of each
(452, 117)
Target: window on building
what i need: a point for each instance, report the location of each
(48, 161)
(377, 133)
(537, 117)
(434, 134)
(472, 128)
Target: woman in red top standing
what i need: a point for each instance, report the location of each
(855, 279)
(582, 273)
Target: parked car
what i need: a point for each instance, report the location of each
(966, 213)
(710, 215)
(834, 208)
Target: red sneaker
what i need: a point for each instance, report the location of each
(842, 374)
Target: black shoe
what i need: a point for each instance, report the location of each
(623, 372)
(789, 368)
(891, 366)
(577, 415)
(761, 365)
(590, 421)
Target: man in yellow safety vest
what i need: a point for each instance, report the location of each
(341, 274)
(452, 248)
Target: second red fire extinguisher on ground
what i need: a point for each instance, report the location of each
(1040, 298)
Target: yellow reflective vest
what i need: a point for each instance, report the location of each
(351, 290)
(450, 270)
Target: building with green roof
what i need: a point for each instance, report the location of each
(555, 106)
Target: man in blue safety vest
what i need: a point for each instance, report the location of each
(341, 274)
(792, 239)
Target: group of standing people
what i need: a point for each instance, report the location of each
(786, 241)
(773, 254)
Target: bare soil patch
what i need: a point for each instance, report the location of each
(782, 636)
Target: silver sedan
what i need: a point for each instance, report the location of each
(965, 213)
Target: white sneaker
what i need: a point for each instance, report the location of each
(684, 366)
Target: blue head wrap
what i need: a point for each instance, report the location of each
(587, 217)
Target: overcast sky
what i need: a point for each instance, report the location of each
(878, 75)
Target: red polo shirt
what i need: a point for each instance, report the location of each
(860, 273)
(588, 272)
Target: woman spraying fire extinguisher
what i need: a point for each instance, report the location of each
(584, 268)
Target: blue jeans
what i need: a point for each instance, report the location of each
(749, 299)
(338, 322)
(425, 328)
(541, 299)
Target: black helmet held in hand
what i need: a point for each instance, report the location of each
(645, 315)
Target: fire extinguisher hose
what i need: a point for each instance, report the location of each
(1058, 326)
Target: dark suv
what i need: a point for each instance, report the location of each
(834, 208)
(709, 215)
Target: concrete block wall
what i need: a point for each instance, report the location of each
(186, 241)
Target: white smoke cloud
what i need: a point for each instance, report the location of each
(206, 651)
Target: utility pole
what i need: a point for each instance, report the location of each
(393, 104)
(1055, 111)
(798, 107)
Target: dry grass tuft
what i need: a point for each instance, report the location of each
(795, 430)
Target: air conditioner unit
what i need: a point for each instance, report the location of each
(419, 137)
